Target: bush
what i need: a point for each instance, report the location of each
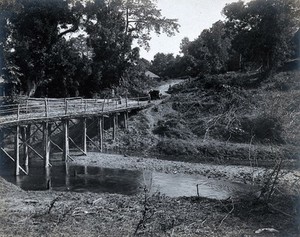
(176, 147)
(264, 129)
(172, 129)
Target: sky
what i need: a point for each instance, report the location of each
(193, 16)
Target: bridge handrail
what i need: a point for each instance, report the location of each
(53, 107)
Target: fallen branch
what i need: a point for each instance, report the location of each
(225, 217)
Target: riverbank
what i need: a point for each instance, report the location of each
(52, 213)
(235, 173)
(233, 118)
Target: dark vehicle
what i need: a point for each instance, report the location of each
(154, 94)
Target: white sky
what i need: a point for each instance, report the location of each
(193, 16)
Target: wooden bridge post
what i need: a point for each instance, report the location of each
(28, 139)
(66, 106)
(114, 127)
(25, 145)
(84, 133)
(66, 139)
(47, 142)
(126, 119)
(46, 107)
(48, 177)
(17, 151)
(67, 176)
(100, 132)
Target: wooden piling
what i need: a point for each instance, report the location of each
(47, 143)
(17, 151)
(100, 132)
(28, 139)
(66, 140)
(126, 119)
(114, 127)
(84, 133)
(25, 146)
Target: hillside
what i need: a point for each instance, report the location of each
(227, 118)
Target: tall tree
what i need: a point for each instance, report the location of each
(34, 30)
(262, 29)
(37, 46)
(209, 53)
(143, 17)
(163, 64)
(112, 26)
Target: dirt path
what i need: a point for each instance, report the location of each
(165, 87)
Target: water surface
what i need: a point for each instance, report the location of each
(68, 177)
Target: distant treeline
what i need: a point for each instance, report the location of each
(257, 35)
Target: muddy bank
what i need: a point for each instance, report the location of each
(236, 173)
(52, 213)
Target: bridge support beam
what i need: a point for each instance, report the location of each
(100, 132)
(84, 133)
(126, 119)
(47, 143)
(115, 121)
(25, 137)
(66, 139)
(28, 141)
(17, 150)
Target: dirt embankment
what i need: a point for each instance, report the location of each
(225, 119)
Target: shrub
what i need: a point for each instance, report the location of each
(176, 147)
(172, 129)
(264, 129)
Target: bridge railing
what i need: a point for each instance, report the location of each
(51, 107)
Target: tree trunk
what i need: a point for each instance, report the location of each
(31, 88)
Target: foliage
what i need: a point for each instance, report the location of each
(134, 81)
(40, 54)
(172, 129)
(209, 53)
(163, 64)
(176, 146)
(211, 49)
(143, 17)
(33, 32)
(262, 30)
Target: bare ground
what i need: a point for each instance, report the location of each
(52, 213)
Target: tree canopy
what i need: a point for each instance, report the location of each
(262, 30)
(257, 34)
(74, 47)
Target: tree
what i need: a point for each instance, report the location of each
(218, 45)
(142, 17)
(209, 53)
(36, 50)
(34, 31)
(112, 26)
(184, 45)
(262, 30)
(163, 64)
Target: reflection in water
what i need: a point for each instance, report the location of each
(67, 177)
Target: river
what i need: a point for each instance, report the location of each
(81, 178)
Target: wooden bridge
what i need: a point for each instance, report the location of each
(41, 119)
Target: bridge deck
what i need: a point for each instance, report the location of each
(33, 110)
